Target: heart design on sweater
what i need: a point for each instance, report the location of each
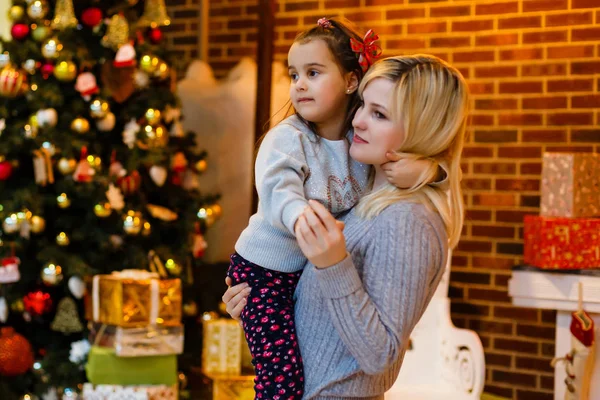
(342, 194)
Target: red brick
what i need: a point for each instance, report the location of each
(461, 41)
(585, 67)
(474, 246)
(525, 185)
(495, 296)
(226, 38)
(544, 103)
(571, 52)
(392, 29)
(510, 216)
(496, 136)
(519, 119)
(426, 1)
(570, 149)
(473, 25)
(470, 277)
(522, 54)
(500, 39)
(496, 72)
(498, 390)
(469, 308)
(536, 331)
(476, 184)
(478, 215)
(585, 34)
(544, 69)
(494, 168)
(383, 2)
(520, 22)
(426, 27)
(519, 152)
(459, 261)
(521, 87)
(570, 19)
(544, 136)
(406, 43)
(547, 382)
(584, 3)
(493, 262)
(571, 85)
(570, 119)
(497, 359)
(225, 11)
(586, 101)
(364, 16)
(494, 199)
(470, 151)
(242, 24)
(585, 135)
(509, 248)
(533, 395)
(473, 56)
(482, 120)
(545, 37)
(497, 8)
(493, 231)
(341, 4)
(305, 5)
(451, 11)
(517, 313)
(530, 168)
(405, 13)
(496, 104)
(544, 5)
(286, 21)
(481, 87)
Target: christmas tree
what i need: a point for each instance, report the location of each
(96, 175)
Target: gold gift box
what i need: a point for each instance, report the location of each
(224, 348)
(133, 298)
(232, 387)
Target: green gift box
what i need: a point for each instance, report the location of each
(105, 368)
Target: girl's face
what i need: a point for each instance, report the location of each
(375, 131)
(317, 87)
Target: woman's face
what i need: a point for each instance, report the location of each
(375, 132)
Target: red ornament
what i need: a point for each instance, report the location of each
(47, 70)
(16, 354)
(19, 31)
(37, 303)
(155, 35)
(130, 184)
(5, 170)
(91, 16)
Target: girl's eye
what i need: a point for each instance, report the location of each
(312, 73)
(294, 76)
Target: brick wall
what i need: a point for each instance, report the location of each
(183, 35)
(534, 71)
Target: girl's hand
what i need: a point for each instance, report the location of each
(320, 236)
(405, 173)
(235, 298)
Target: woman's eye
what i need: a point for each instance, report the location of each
(379, 115)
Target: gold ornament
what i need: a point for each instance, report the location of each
(63, 200)
(66, 321)
(80, 125)
(16, 13)
(149, 63)
(13, 82)
(217, 210)
(62, 239)
(64, 15)
(146, 229)
(207, 215)
(31, 128)
(40, 32)
(102, 210)
(10, 224)
(52, 48)
(152, 116)
(99, 108)
(95, 162)
(155, 14)
(17, 306)
(162, 70)
(190, 309)
(201, 166)
(38, 224)
(117, 33)
(132, 224)
(52, 274)
(66, 166)
(37, 9)
(156, 137)
(173, 267)
(65, 71)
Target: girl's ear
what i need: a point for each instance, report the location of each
(351, 82)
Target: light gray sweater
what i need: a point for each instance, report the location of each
(294, 165)
(354, 319)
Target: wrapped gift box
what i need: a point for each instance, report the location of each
(562, 243)
(133, 298)
(224, 348)
(116, 392)
(570, 185)
(232, 387)
(104, 367)
(151, 340)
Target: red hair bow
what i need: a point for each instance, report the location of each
(368, 51)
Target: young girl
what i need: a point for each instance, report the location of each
(304, 157)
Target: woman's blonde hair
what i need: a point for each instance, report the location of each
(431, 103)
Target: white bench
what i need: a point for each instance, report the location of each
(444, 362)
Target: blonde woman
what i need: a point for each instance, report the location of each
(365, 288)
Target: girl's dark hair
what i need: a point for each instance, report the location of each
(337, 38)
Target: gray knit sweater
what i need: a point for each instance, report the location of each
(354, 319)
(294, 165)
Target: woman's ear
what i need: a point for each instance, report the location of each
(351, 82)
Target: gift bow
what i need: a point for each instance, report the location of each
(368, 51)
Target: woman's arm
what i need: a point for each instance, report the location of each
(375, 313)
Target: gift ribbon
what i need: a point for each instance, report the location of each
(368, 51)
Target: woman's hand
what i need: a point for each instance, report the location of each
(235, 298)
(405, 173)
(320, 236)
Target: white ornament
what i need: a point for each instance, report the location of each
(171, 114)
(76, 286)
(190, 180)
(177, 129)
(125, 56)
(2, 125)
(3, 310)
(107, 123)
(86, 85)
(141, 79)
(115, 197)
(158, 175)
(47, 117)
(51, 394)
(79, 351)
(130, 133)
